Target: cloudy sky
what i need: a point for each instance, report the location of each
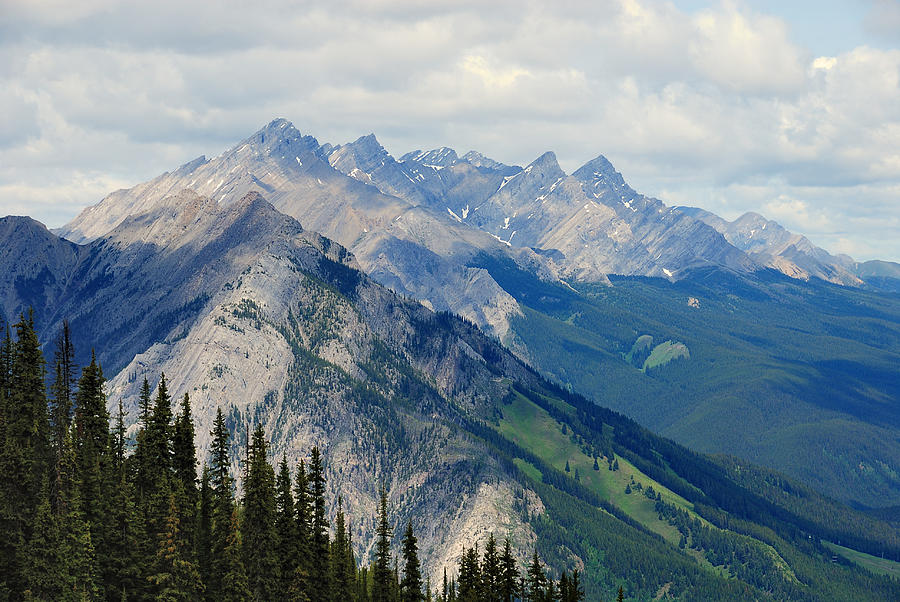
(792, 111)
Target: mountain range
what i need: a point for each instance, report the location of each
(311, 288)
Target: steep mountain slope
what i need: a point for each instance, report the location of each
(245, 310)
(798, 376)
(773, 246)
(414, 250)
(880, 275)
(34, 266)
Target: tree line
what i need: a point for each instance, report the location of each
(87, 514)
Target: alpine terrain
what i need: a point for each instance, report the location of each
(477, 341)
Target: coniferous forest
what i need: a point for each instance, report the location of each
(88, 514)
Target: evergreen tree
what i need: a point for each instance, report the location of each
(564, 592)
(44, 570)
(469, 575)
(92, 443)
(491, 572)
(550, 594)
(620, 596)
(78, 551)
(159, 437)
(411, 586)
(303, 516)
(342, 573)
(319, 544)
(174, 578)
(63, 397)
(395, 582)
(576, 591)
(26, 455)
(141, 462)
(537, 581)
(509, 572)
(381, 571)
(222, 504)
(285, 526)
(204, 527)
(234, 584)
(9, 538)
(258, 529)
(119, 564)
(185, 466)
(159, 458)
(350, 569)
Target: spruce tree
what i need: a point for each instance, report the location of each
(491, 573)
(26, 455)
(258, 528)
(319, 544)
(469, 579)
(222, 504)
(174, 578)
(204, 527)
(92, 443)
(285, 526)
(44, 570)
(141, 455)
(411, 586)
(159, 458)
(537, 581)
(342, 574)
(550, 594)
(119, 563)
(564, 592)
(235, 586)
(350, 569)
(62, 400)
(185, 468)
(381, 571)
(575, 588)
(78, 551)
(300, 582)
(510, 573)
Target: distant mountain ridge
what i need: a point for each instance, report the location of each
(590, 223)
(389, 212)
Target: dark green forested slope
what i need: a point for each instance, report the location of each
(801, 377)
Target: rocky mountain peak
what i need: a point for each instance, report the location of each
(438, 157)
(279, 138)
(546, 164)
(478, 160)
(599, 169)
(20, 225)
(365, 154)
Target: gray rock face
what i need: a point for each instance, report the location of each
(592, 223)
(389, 235)
(771, 245)
(34, 267)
